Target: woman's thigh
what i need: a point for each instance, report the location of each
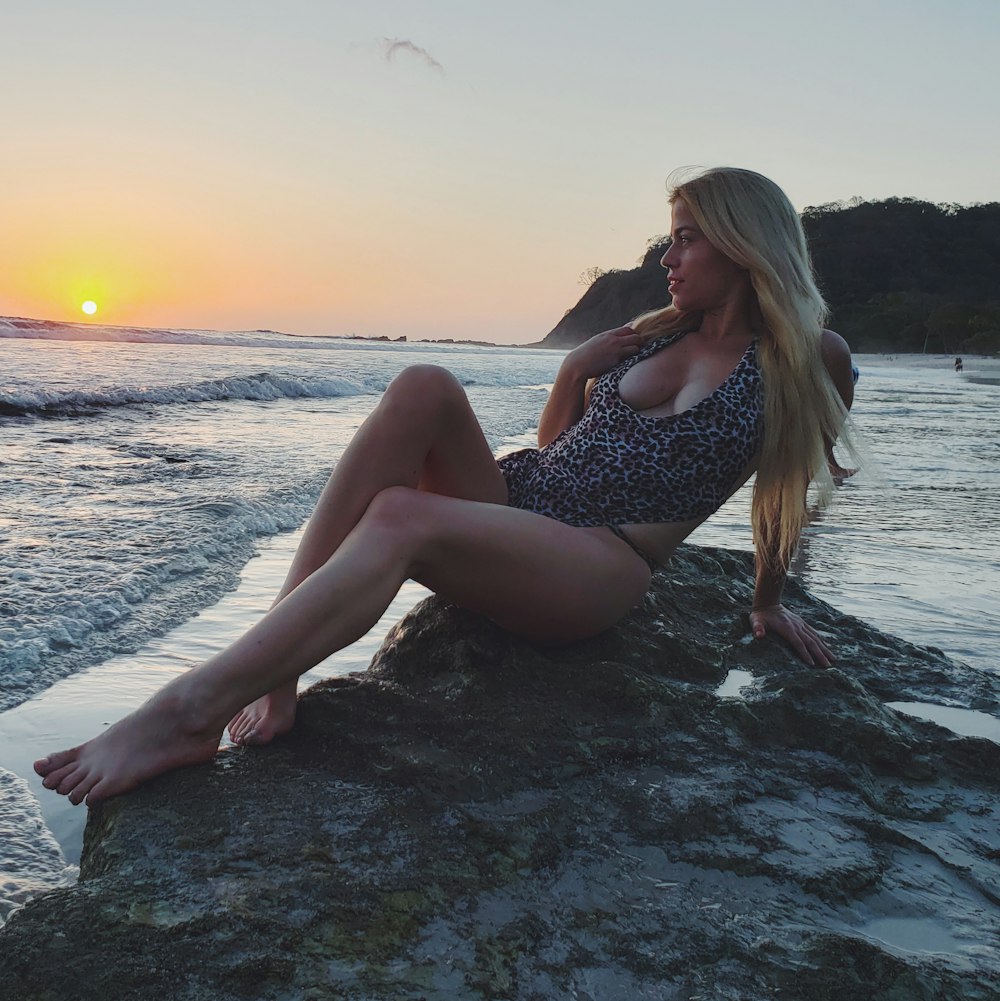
(458, 460)
(528, 573)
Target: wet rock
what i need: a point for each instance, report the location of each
(478, 818)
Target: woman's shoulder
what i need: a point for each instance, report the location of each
(834, 345)
(835, 350)
(836, 353)
(663, 340)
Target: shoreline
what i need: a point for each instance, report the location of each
(77, 707)
(79, 330)
(925, 361)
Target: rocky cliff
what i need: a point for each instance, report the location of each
(614, 298)
(478, 818)
(900, 275)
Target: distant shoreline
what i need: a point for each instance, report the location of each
(939, 360)
(91, 332)
(80, 332)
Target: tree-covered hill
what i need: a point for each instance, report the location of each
(900, 275)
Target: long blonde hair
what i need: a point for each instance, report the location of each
(750, 219)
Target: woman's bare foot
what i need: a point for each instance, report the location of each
(158, 737)
(263, 720)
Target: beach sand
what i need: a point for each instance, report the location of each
(79, 707)
(974, 367)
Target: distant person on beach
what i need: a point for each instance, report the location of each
(958, 364)
(649, 428)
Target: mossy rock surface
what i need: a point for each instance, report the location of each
(478, 818)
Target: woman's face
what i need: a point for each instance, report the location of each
(700, 277)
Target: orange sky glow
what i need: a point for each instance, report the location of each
(438, 171)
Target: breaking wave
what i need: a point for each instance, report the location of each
(40, 402)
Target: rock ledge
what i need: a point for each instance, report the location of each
(476, 818)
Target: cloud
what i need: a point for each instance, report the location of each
(393, 45)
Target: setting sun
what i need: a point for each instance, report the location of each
(89, 307)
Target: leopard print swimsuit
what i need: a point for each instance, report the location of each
(616, 466)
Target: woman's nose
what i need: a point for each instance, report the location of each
(665, 259)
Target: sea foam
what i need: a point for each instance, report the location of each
(261, 386)
(60, 614)
(31, 860)
(20, 326)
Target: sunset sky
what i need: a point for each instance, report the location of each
(446, 168)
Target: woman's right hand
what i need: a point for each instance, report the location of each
(602, 352)
(568, 398)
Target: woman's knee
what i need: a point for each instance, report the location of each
(396, 511)
(408, 521)
(424, 387)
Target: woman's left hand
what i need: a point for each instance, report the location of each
(794, 630)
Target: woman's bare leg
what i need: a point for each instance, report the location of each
(530, 574)
(423, 433)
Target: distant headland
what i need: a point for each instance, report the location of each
(61, 330)
(900, 275)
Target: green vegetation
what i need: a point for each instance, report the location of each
(902, 275)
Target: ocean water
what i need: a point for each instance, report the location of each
(141, 471)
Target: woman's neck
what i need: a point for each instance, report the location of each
(727, 323)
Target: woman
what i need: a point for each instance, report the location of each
(647, 430)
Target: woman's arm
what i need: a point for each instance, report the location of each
(768, 612)
(837, 359)
(565, 404)
(594, 357)
(836, 356)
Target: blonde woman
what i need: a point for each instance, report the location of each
(648, 429)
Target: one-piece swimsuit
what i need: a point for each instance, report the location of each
(617, 466)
